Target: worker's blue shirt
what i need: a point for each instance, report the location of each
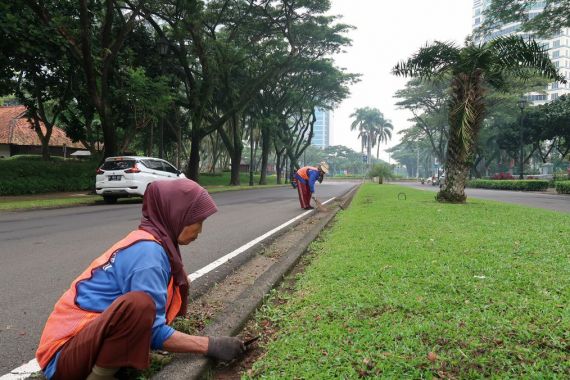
(143, 266)
(313, 177)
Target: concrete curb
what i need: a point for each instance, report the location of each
(234, 316)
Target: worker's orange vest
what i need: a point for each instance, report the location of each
(304, 172)
(68, 319)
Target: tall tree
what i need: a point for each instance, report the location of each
(369, 122)
(428, 101)
(554, 16)
(35, 69)
(258, 40)
(472, 68)
(94, 33)
(383, 134)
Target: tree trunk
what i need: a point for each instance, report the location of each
(235, 166)
(265, 147)
(193, 167)
(109, 143)
(369, 153)
(44, 139)
(235, 151)
(465, 118)
(278, 166)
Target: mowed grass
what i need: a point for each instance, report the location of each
(416, 289)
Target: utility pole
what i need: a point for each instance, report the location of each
(522, 104)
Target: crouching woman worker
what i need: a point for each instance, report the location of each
(121, 306)
(306, 178)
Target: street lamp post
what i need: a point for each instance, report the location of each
(522, 104)
(162, 45)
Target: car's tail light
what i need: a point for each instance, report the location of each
(134, 169)
(99, 171)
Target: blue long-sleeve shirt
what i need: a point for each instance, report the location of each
(143, 266)
(313, 177)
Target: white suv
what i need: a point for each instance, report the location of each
(130, 176)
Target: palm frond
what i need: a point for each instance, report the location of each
(522, 58)
(430, 61)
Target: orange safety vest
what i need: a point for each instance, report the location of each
(68, 319)
(304, 172)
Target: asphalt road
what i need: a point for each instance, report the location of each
(43, 251)
(546, 200)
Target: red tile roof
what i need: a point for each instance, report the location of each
(17, 130)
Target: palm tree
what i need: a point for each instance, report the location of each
(371, 126)
(472, 68)
(383, 134)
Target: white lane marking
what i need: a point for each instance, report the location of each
(222, 260)
(32, 366)
(23, 371)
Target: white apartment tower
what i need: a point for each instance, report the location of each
(321, 128)
(558, 48)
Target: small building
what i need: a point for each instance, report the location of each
(17, 136)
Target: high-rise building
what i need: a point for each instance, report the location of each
(321, 128)
(558, 47)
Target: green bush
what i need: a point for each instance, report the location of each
(28, 175)
(520, 185)
(382, 171)
(563, 187)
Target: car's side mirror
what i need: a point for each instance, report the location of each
(178, 172)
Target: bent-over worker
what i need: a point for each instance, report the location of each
(121, 306)
(306, 178)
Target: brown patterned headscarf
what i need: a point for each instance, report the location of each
(168, 207)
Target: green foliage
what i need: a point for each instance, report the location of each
(519, 185)
(223, 179)
(473, 68)
(552, 17)
(373, 128)
(382, 171)
(34, 176)
(477, 285)
(562, 187)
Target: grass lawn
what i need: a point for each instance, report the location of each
(416, 289)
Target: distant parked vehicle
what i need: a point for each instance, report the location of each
(128, 176)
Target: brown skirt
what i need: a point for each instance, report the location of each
(119, 337)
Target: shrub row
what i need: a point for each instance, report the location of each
(522, 185)
(30, 176)
(563, 187)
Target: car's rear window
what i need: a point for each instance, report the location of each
(153, 164)
(118, 165)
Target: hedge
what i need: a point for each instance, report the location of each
(520, 185)
(29, 175)
(563, 187)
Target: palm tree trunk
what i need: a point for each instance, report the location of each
(465, 118)
(369, 152)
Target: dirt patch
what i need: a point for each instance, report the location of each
(263, 328)
(209, 304)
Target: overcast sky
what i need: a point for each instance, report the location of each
(389, 31)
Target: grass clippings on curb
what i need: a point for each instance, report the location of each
(417, 289)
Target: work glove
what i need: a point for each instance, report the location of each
(224, 348)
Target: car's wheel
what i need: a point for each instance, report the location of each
(110, 200)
